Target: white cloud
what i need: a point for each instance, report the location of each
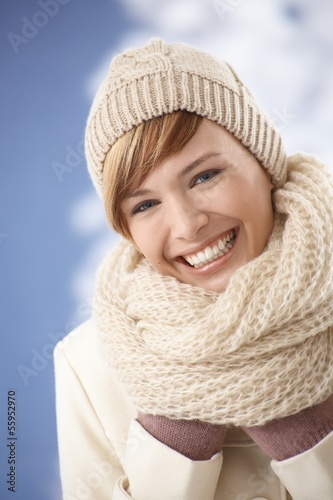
(87, 214)
(83, 281)
(87, 219)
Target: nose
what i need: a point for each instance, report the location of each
(186, 221)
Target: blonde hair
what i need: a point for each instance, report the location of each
(136, 153)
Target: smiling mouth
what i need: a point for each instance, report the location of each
(213, 251)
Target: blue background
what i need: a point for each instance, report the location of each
(53, 232)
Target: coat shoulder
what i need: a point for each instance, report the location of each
(79, 342)
(80, 351)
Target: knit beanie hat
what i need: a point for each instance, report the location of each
(157, 79)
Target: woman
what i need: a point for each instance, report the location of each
(206, 371)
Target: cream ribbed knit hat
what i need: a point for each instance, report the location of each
(158, 79)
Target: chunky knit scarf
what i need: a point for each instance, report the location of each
(260, 350)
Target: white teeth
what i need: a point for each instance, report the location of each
(195, 259)
(211, 253)
(202, 256)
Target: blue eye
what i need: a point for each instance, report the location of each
(144, 207)
(205, 176)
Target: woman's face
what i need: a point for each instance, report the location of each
(204, 212)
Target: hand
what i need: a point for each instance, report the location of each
(194, 439)
(289, 436)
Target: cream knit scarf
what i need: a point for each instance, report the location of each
(260, 350)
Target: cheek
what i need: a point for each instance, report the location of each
(250, 203)
(259, 218)
(221, 198)
(231, 202)
(149, 242)
(138, 237)
(255, 197)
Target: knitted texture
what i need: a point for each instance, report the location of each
(289, 436)
(263, 349)
(158, 79)
(192, 438)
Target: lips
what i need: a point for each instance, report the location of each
(217, 248)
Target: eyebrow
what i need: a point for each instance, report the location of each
(186, 170)
(191, 166)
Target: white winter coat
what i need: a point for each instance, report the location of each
(106, 455)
